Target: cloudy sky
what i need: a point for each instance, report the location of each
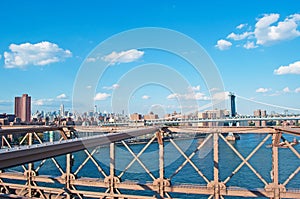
(254, 44)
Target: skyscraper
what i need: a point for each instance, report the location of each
(62, 110)
(23, 107)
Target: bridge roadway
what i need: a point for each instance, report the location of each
(229, 119)
(180, 120)
(113, 183)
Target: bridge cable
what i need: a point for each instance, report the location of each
(267, 104)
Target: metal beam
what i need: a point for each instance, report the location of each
(5, 130)
(289, 130)
(15, 156)
(237, 129)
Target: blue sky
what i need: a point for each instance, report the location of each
(254, 44)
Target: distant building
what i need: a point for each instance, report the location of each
(23, 107)
(95, 109)
(260, 113)
(62, 110)
(213, 114)
(264, 114)
(151, 116)
(4, 119)
(135, 116)
(173, 115)
(203, 115)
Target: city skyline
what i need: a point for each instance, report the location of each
(254, 46)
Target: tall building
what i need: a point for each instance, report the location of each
(23, 107)
(62, 110)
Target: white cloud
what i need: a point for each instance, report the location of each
(61, 96)
(123, 56)
(42, 102)
(91, 59)
(237, 37)
(267, 20)
(221, 96)
(188, 96)
(250, 45)
(39, 102)
(101, 96)
(145, 97)
(173, 96)
(277, 93)
(194, 88)
(262, 90)
(88, 87)
(38, 54)
(241, 26)
(266, 33)
(6, 101)
(293, 68)
(223, 44)
(286, 90)
(199, 96)
(113, 87)
(268, 29)
(214, 89)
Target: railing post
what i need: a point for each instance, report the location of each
(161, 183)
(68, 173)
(161, 166)
(275, 187)
(30, 168)
(68, 170)
(275, 167)
(112, 180)
(216, 166)
(112, 167)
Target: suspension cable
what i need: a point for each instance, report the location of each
(267, 104)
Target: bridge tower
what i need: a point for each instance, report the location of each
(232, 104)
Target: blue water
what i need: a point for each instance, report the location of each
(228, 161)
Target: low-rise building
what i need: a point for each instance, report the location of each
(135, 116)
(150, 116)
